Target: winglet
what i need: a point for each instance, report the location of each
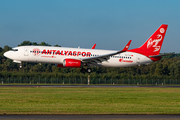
(93, 47)
(127, 46)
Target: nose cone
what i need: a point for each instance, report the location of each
(7, 54)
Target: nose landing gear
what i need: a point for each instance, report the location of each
(20, 65)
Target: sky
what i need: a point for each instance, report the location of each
(72, 23)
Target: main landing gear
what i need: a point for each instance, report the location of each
(88, 70)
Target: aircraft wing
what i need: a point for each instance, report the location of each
(105, 57)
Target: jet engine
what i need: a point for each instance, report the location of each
(71, 63)
(59, 65)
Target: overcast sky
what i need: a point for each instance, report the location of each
(72, 23)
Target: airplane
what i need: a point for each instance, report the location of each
(79, 57)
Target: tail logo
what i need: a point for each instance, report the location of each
(154, 43)
(162, 30)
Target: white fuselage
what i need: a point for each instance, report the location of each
(56, 55)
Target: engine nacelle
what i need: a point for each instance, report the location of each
(59, 65)
(71, 63)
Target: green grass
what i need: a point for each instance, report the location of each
(32, 100)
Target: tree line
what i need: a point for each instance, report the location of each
(167, 68)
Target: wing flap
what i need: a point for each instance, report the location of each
(106, 56)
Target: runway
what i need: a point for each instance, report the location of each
(90, 117)
(91, 86)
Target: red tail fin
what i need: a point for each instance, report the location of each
(153, 45)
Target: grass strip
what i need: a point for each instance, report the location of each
(32, 100)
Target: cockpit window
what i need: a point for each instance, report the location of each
(14, 49)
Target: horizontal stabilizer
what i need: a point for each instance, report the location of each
(160, 55)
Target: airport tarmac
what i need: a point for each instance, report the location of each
(90, 117)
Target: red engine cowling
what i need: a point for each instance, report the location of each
(59, 65)
(72, 63)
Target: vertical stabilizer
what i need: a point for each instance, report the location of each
(153, 45)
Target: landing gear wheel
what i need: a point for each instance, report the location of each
(83, 70)
(89, 70)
